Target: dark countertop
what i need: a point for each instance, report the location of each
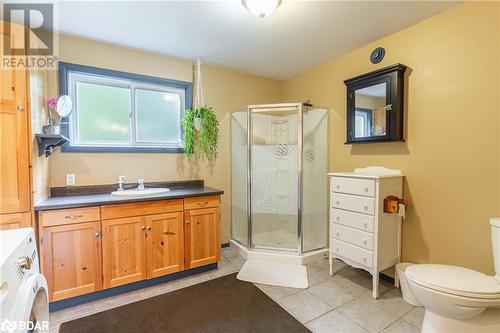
(74, 201)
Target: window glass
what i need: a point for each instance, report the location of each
(103, 113)
(157, 116)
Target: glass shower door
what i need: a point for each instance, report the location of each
(239, 176)
(274, 178)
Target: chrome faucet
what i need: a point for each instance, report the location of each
(120, 183)
(140, 183)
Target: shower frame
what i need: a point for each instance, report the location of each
(301, 108)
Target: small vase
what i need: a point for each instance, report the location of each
(197, 124)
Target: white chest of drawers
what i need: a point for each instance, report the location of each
(361, 234)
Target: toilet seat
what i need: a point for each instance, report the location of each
(455, 280)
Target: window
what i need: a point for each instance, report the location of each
(117, 111)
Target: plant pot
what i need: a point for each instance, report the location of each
(197, 124)
(51, 129)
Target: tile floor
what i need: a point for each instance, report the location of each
(338, 304)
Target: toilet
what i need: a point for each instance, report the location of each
(456, 299)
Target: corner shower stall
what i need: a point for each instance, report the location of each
(279, 161)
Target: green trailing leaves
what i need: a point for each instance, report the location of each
(204, 140)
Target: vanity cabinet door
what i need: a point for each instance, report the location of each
(71, 259)
(124, 251)
(165, 244)
(201, 230)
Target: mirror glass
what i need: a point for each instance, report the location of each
(64, 106)
(370, 107)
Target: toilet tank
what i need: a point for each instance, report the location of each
(495, 238)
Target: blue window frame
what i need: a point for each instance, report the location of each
(116, 111)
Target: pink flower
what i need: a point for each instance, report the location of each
(52, 102)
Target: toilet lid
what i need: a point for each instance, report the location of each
(454, 280)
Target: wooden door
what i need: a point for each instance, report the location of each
(124, 251)
(165, 244)
(72, 259)
(14, 144)
(201, 230)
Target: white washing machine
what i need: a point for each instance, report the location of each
(23, 290)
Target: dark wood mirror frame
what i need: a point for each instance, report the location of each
(393, 77)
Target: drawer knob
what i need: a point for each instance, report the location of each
(366, 207)
(365, 225)
(337, 187)
(364, 259)
(365, 241)
(338, 233)
(366, 189)
(97, 234)
(338, 218)
(337, 249)
(338, 202)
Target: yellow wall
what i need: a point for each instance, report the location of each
(224, 89)
(452, 155)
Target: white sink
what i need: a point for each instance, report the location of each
(135, 193)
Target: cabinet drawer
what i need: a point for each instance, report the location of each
(69, 216)
(365, 187)
(353, 203)
(352, 236)
(15, 221)
(351, 252)
(354, 220)
(141, 208)
(202, 202)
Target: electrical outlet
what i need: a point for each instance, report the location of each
(70, 179)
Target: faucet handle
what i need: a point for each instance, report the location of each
(121, 179)
(140, 181)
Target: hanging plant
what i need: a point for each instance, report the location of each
(201, 127)
(203, 138)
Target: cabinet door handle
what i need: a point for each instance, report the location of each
(203, 204)
(20, 108)
(149, 228)
(187, 221)
(73, 217)
(143, 227)
(97, 234)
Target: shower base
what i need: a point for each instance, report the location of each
(280, 256)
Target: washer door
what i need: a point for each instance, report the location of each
(33, 306)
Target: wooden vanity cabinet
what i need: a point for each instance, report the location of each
(138, 241)
(165, 244)
(124, 251)
(71, 259)
(201, 237)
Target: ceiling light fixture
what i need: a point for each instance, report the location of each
(261, 8)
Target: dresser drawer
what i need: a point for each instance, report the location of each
(69, 216)
(351, 252)
(355, 220)
(352, 236)
(353, 203)
(201, 202)
(365, 187)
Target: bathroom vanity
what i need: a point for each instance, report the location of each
(361, 234)
(93, 242)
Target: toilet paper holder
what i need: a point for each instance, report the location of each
(391, 204)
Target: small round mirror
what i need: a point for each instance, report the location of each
(64, 106)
